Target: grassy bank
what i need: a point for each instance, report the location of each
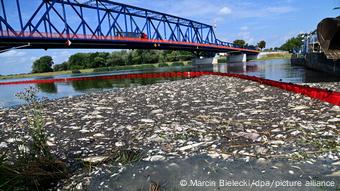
(43, 74)
(269, 56)
(117, 68)
(143, 66)
(273, 56)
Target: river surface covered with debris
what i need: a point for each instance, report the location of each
(278, 70)
(217, 123)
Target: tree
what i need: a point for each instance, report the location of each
(98, 62)
(115, 59)
(262, 44)
(48, 88)
(151, 56)
(61, 67)
(293, 43)
(79, 61)
(43, 64)
(240, 42)
(129, 58)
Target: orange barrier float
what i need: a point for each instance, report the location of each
(316, 93)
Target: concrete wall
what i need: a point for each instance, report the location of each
(237, 58)
(263, 54)
(318, 61)
(252, 57)
(232, 58)
(205, 61)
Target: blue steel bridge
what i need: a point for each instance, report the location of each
(101, 24)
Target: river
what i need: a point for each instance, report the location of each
(280, 70)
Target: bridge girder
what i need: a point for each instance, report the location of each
(98, 20)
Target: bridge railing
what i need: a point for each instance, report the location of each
(222, 43)
(65, 37)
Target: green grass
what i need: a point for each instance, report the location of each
(141, 66)
(178, 64)
(34, 168)
(43, 74)
(116, 68)
(37, 174)
(127, 156)
(276, 56)
(130, 67)
(163, 65)
(222, 60)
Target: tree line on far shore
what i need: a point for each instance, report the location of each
(80, 61)
(290, 45)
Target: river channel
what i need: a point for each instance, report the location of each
(279, 70)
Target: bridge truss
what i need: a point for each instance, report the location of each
(101, 24)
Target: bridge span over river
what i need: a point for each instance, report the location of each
(103, 24)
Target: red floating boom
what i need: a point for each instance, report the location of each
(316, 93)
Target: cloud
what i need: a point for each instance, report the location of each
(245, 35)
(279, 10)
(12, 53)
(244, 28)
(264, 12)
(33, 58)
(225, 11)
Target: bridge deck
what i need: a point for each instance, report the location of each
(49, 41)
(103, 24)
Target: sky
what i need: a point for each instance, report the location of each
(274, 21)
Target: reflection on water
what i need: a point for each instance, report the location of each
(58, 90)
(114, 83)
(280, 70)
(48, 88)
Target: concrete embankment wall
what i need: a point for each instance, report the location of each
(271, 54)
(318, 61)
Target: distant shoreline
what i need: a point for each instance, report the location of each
(271, 56)
(91, 70)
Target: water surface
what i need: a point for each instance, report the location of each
(280, 70)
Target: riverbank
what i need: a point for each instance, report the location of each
(15, 76)
(274, 55)
(263, 56)
(216, 116)
(91, 70)
(332, 86)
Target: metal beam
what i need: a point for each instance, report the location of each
(114, 20)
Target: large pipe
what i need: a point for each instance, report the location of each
(328, 32)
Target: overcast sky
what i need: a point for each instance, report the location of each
(252, 20)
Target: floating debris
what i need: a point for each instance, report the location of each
(218, 116)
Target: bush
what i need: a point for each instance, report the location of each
(146, 66)
(133, 67)
(163, 65)
(103, 69)
(43, 64)
(76, 72)
(222, 60)
(34, 166)
(177, 64)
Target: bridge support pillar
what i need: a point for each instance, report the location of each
(238, 57)
(205, 61)
(252, 57)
